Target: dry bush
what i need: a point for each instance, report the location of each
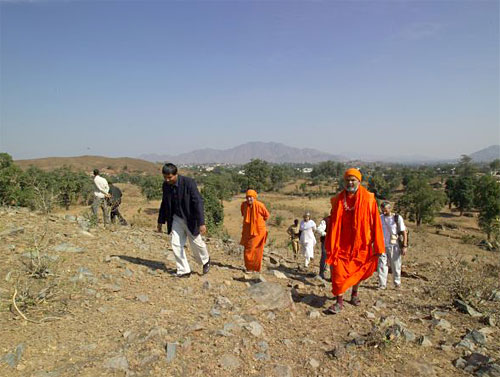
(472, 282)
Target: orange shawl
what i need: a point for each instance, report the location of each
(367, 227)
(254, 217)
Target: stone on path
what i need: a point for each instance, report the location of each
(171, 349)
(229, 362)
(270, 296)
(118, 362)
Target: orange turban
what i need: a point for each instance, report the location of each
(354, 172)
(252, 193)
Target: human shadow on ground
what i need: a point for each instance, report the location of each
(296, 274)
(310, 299)
(151, 264)
(222, 265)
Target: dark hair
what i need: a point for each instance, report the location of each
(96, 171)
(385, 204)
(169, 168)
(295, 221)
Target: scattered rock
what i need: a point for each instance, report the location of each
(171, 349)
(222, 302)
(466, 308)
(229, 362)
(442, 324)
(196, 327)
(282, 371)
(477, 337)
(278, 274)
(314, 363)
(68, 248)
(422, 369)
(207, 285)
(270, 296)
(424, 341)
(262, 356)
(142, 298)
(112, 287)
(12, 359)
(255, 328)
(297, 285)
(495, 296)
(12, 232)
(119, 362)
(490, 321)
(370, 315)
(314, 314)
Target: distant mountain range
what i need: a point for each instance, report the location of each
(271, 152)
(487, 154)
(281, 153)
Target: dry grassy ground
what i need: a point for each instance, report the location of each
(105, 302)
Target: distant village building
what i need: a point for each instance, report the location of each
(307, 170)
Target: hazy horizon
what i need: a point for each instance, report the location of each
(121, 79)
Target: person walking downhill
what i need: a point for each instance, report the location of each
(392, 225)
(294, 233)
(101, 193)
(307, 238)
(354, 239)
(182, 208)
(254, 232)
(322, 235)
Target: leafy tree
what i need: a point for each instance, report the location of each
(420, 202)
(487, 201)
(224, 183)
(495, 164)
(151, 186)
(257, 173)
(214, 210)
(463, 193)
(379, 186)
(278, 177)
(328, 169)
(466, 167)
(9, 180)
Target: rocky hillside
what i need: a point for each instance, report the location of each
(81, 300)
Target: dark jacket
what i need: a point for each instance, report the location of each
(190, 205)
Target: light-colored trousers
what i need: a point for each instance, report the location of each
(180, 234)
(101, 202)
(393, 256)
(308, 251)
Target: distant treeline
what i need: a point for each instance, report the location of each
(419, 192)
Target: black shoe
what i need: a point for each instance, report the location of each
(184, 275)
(206, 267)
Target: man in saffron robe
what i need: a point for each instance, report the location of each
(354, 239)
(254, 232)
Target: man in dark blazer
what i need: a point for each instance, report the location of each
(182, 209)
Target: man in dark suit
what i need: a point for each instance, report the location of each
(182, 209)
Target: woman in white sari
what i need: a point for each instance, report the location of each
(307, 238)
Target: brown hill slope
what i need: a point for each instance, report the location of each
(88, 163)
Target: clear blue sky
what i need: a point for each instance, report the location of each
(121, 78)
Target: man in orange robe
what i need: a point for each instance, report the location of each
(354, 239)
(254, 233)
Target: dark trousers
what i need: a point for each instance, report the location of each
(322, 261)
(115, 213)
